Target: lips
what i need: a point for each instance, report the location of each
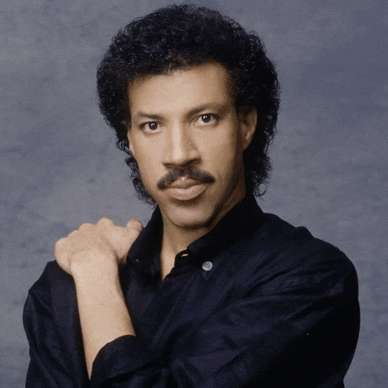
(186, 189)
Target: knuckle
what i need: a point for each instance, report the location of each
(105, 221)
(61, 249)
(72, 234)
(135, 224)
(84, 226)
(59, 244)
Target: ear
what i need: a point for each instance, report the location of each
(248, 122)
(130, 143)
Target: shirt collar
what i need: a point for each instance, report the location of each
(242, 220)
(147, 245)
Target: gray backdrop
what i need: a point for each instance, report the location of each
(59, 166)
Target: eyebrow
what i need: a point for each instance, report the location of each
(210, 105)
(154, 116)
(140, 115)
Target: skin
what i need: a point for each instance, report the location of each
(183, 119)
(188, 118)
(92, 255)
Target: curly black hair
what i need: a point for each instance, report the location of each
(180, 36)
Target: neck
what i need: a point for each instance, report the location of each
(177, 238)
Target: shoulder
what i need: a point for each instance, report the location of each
(300, 246)
(284, 256)
(51, 299)
(52, 280)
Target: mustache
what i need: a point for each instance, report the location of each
(189, 172)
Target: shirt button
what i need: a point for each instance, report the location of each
(207, 265)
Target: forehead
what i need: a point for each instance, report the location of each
(181, 89)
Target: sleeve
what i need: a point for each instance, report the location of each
(299, 333)
(53, 331)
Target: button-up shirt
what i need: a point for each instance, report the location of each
(255, 302)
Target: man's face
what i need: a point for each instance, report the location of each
(188, 142)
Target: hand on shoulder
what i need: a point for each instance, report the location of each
(96, 248)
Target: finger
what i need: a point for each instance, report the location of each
(58, 246)
(85, 226)
(123, 260)
(61, 255)
(134, 224)
(106, 222)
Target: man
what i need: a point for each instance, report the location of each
(213, 292)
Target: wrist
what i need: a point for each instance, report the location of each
(99, 290)
(94, 268)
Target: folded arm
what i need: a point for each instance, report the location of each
(302, 334)
(92, 256)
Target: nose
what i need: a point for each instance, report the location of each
(180, 148)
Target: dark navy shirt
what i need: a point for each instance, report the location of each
(254, 303)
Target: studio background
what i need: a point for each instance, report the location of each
(60, 168)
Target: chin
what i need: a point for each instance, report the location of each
(191, 217)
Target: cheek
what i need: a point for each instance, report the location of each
(224, 150)
(145, 153)
(147, 161)
(225, 161)
(147, 166)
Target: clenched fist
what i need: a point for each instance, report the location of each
(96, 248)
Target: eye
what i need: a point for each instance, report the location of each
(206, 119)
(150, 126)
